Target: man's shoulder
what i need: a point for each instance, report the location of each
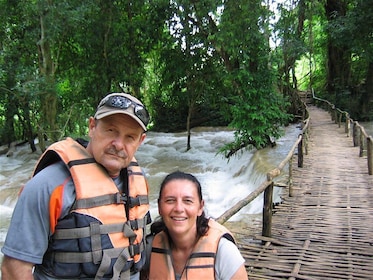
(51, 176)
(58, 168)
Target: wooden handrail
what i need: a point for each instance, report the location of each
(359, 136)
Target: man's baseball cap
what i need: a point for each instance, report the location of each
(123, 103)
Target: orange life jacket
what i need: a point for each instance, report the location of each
(97, 239)
(201, 262)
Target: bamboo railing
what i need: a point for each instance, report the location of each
(359, 136)
(299, 148)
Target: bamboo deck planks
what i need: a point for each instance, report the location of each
(325, 231)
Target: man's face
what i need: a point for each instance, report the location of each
(114, 141)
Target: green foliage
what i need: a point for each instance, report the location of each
(350, 34)
(191, 62)
(258, 114)
(96, 47)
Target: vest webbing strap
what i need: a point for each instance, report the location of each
(96, 242)
(138, 200)
(130, 172)
(80, 161)
(161, 251)
(203, 255)
(121, 262)
(125, 275)
(118, 267)
(199, 266)
(83, 232)
(84, 257)
(108, 199)
(141, 223)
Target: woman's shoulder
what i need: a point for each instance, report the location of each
(228, 259)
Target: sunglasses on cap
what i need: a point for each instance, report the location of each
(122, 102)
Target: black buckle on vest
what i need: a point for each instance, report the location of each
(148, 218)
(134, 201)
(121, 198)
(134, 224)
(134, 249)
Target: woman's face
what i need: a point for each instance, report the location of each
(179, 207)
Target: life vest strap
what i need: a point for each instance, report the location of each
(120, 263)
(199, 266)
(138, 200)
(133, 163)
(140, 223)
(71, 163)
(107, 199)
(139, 173)
(161, 251)
(203, 255)
(86, 257)
(118, 268)
(83, 232)
(96, 242)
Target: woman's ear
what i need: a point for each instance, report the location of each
(201, 207)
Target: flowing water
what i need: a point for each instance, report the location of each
(224, 182)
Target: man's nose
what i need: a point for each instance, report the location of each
(118, 143)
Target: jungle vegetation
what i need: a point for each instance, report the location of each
(235, 63)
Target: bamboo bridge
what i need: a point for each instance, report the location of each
(323, 229)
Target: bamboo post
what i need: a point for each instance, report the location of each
(355, 134)
(362, 144)
(306, 142)
(370, 155)
(290, 183)
(300, 153)
(339, 119)
(335, 114)
(267, 211)
(347, 125)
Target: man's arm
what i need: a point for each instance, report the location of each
(13, 269)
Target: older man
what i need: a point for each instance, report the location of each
(83, 213)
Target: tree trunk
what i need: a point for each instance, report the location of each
(48, 95)
(339, 62)
(367, 94)
(189, 117)
(28, 128)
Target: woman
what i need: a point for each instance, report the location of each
(187, 244)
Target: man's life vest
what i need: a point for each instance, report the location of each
(201, 262)
(103, 235)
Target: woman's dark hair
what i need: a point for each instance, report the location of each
(202, 221)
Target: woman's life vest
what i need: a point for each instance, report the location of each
(201, 262)
(103, 235)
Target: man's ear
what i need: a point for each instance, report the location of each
(91, 125)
